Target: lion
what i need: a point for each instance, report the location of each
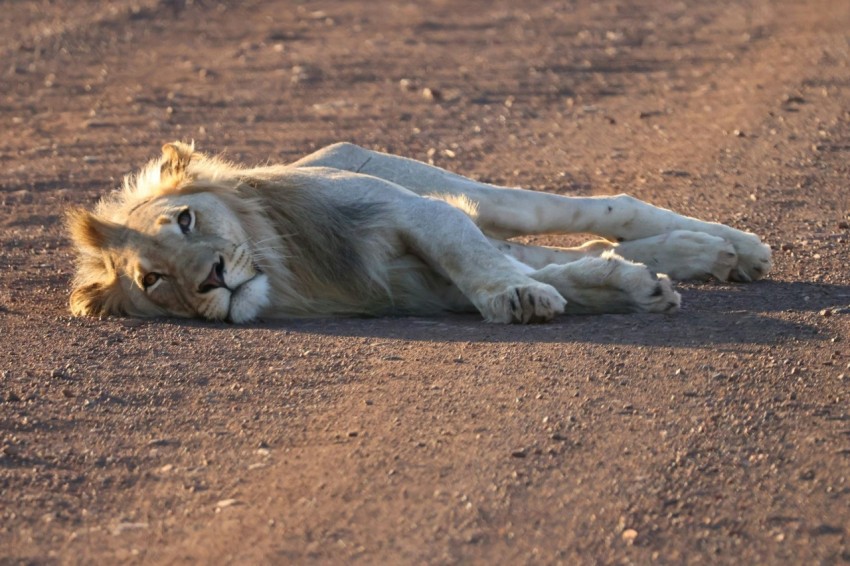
(349, 231)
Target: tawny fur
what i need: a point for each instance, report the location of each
(348, 231)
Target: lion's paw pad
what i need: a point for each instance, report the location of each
(524, 304)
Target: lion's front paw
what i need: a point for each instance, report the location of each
(534, 302)
(753, 257)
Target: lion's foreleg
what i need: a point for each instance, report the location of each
(452, 244)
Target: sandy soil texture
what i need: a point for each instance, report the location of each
(720, 435)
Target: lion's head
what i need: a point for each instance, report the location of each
(170, 243)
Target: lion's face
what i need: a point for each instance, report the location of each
(181, 254)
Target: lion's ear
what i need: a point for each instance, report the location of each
(175, 158)
(96, 299)
(89, 231)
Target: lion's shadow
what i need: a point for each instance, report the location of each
(713, 315)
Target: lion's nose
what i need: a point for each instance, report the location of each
(215, 279)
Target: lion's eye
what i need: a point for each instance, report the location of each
(149, 279)
(184, 220)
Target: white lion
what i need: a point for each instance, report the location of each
(348, 231)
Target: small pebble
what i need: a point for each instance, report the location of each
(432, 94)
(629, 535)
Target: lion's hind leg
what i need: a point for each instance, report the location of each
(610, 284)
(681, 254)
(684, 255)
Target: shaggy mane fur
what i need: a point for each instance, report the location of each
(321, 257)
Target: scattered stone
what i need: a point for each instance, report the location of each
(352, 433)
(9, 450)
(407, 85)
(68, 393)
(629, 535)
(12, 397)
(674, 173)
(844, 225)
(166, 468)
(521, 453)
(97, 124)
(739, 133)
(644, 114)
(786, 247)
(227, 503)
(432, 94)
(304, 74)
(825, 313)
(824, 529)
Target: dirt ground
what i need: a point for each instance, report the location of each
(719, 435)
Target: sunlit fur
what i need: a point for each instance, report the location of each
(308, 256)
(349, 231)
